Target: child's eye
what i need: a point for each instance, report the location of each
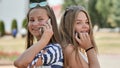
(40, 20)
(78, 22)
(31, 20)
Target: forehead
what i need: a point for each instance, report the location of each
(38, 12)
(81, 15)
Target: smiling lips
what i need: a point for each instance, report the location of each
(84, 31)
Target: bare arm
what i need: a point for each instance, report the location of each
(29, 54)
(91, 54)
(93, 63)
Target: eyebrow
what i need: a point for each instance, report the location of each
(37, 17)
(81, 20)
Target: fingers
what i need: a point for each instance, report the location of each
(77, 38)
(49, 23)
(84, 40)
(84, 36)
(88, 37)
(45, 26)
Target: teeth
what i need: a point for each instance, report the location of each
(84, 32)
(41, 29)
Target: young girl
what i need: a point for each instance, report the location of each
(77, 37)
(46, 52)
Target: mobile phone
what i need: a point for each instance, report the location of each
(41, 30)
(48, 21)
(77, 34)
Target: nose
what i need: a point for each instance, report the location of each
(85, 26)
(42, 23)
(38, 23)
(35, 22)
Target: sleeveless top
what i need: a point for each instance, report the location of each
(52, 58)
(83, 56)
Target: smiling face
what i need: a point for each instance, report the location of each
(37, 18)
(81, 23)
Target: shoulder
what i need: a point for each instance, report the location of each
(54, 48)
(70, 56)
(69, 49)
(54, 45)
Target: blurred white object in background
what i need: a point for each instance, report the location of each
(23, 32)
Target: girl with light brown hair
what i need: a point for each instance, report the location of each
(79, 48)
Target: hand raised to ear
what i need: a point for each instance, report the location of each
(48, 31)
(84, 40)
(77, 38)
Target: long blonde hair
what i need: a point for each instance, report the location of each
(66, 29)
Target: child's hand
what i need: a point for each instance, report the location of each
(47, 31)
(84, 40)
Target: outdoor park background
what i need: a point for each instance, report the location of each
(107, 34)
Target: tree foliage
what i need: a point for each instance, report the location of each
(110, 12)
(14, 24)
(105, 10)
(24, 23)
(104, 13)
(115, 15)
(2, 28)
(14, 28)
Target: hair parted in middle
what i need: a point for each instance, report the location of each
(67, 31)
(55, 38)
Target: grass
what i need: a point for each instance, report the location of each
(108, 43)
(11, 48)
(10, 44)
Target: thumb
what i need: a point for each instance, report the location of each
(77, 39)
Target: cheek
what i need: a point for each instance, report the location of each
(42, 22)
(29, 26)
(78, 28)
(88, 27)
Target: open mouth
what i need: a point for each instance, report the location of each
(34, 29)
(84, 31)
